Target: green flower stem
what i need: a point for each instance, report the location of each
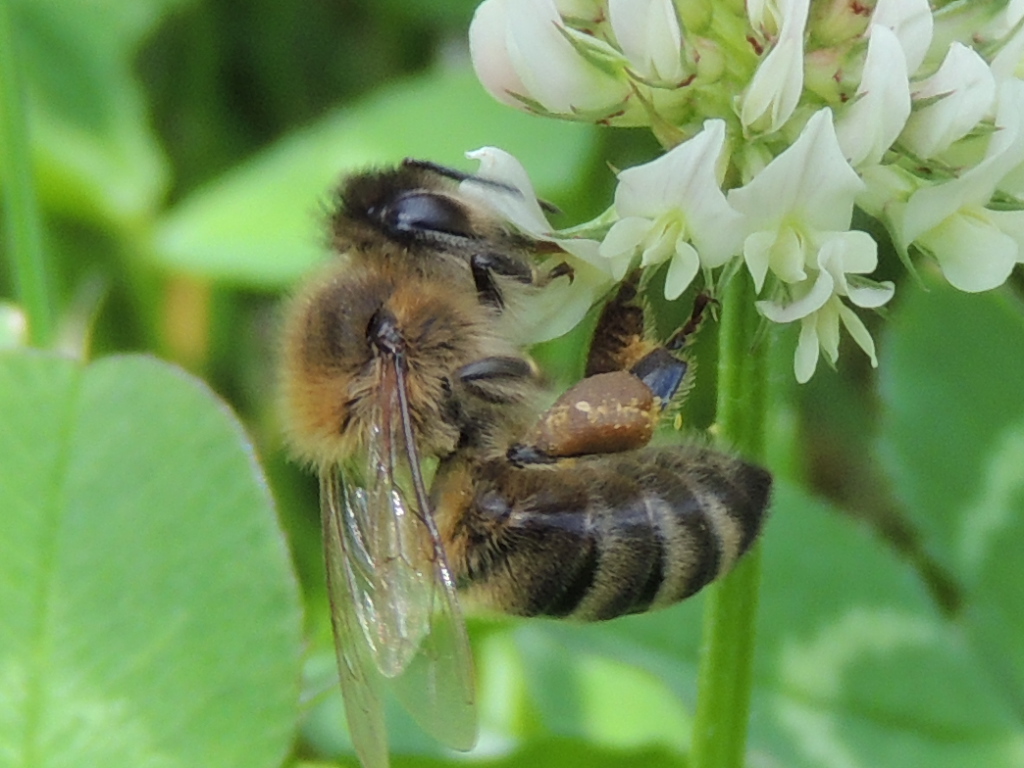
(22, 218)
(727, 652)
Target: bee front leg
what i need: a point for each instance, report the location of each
(485, 266)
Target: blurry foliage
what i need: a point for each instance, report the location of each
(184, 151)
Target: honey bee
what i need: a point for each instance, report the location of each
(397, 357)
(583, 520)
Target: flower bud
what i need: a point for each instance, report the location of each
(525, 56)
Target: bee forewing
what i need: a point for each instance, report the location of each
(395, 617)
(360, 680)
(400, 613)
(437, 687)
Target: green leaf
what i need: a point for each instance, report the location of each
(953, 438)
(150, 613)
(95, 154)
(951, 373)
(260, 225)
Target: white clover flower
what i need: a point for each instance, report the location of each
(871, 124)
(912, 23)
(1006, 63)
(523, 54)
(820, 331)
(672, 209)
(975, 246)
(914, 116)
(817, 303)
(775, 88)
(808, 189)
(563, 303)
(765, 16)
(798, 213)
(648, 33)
(959, 95)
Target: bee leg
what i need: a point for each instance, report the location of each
(485, 399)
(662, 369)
(495, 379)
(605, 413)
(490, 368)
(630, 382)
(678, 339)
(562, 269)
(620, 337)
(485, 266)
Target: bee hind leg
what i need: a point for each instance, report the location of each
(663, 369)
(631, 380)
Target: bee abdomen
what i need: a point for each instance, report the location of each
(603, 536)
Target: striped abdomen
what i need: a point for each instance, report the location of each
(599, 536)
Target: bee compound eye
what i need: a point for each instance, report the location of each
(419, 213)
(493, 506)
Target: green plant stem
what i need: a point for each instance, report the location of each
(727, 652)
(21, 210)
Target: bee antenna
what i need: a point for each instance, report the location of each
(457, 175)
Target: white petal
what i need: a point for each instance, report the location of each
(859, 333)
(684, 179)
(912, 22)
(827, 323)
(488, 47)
(775, 89)
(788, 257)
(871, 124)
(929, 206)
(552, 71)
(815, 298)
(1008, 142)
(681, 270)
(854, 252)
(885, 185)
(648, 33)
(850, 251)
(758, 13)
(973, 253)
(756, 250)
(523, 210)
(1006, 62)
(678, 179)
(560, 306)
(806, 358)
(968, 91)
(589, 251)
(1010, 223)
(811, 179)
(871, 296)
(659, 245)
(625, 237)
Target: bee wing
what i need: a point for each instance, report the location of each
(395, 601)
(437, 686)
(360, 679)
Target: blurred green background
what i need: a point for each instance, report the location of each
(184, 151)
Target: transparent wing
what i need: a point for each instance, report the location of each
(400, 595)
(360, 680)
